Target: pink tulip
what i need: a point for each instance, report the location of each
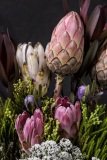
(31, 130)
(19, 124)
(69, 116)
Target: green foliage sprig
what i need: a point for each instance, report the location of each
(20, 91)
(51, 126)
(93, 132)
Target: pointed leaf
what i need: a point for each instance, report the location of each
(96, 22)
(10, 54)
(89, 58)
(1, 43)
(16, 75)
(84, 6)
(3, 76)
(104, 33)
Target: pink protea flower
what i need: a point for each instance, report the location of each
(29, 129)
(69, 116)
(64, 52)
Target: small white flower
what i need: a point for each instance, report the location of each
(65, 156)
(95, 158)
(65, 144)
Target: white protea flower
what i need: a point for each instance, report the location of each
(38, 48)
(32, 64)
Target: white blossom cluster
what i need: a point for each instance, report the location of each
(50, 150)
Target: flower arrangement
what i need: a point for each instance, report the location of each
(36, 126)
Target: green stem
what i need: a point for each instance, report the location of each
(58, 87)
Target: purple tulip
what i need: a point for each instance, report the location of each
(29, 100)
(81, 91)
(69, 116)
(31, 130)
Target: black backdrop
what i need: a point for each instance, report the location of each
(34, 20)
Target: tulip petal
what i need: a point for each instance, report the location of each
(73, 131)
(38, 114)
(78, 113)
(35, 137)
(73, 112)
(59, 113)
(19, 125)
(26, 129)
(65, 123)
(39, 127)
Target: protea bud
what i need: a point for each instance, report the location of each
(30, 132)
(64, 52)
(32, 64)
(99, 70)
(69, 116)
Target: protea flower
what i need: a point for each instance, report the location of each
(33, 65)
(99, 70)
(69, 116)
(29, 129)
(64, 52)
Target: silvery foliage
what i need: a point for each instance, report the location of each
(50, 150)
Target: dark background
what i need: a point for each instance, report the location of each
(34, 20)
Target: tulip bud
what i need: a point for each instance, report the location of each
(19, 124)
(81, 92)
(69, 116)
(29, 129)
(29, 102)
